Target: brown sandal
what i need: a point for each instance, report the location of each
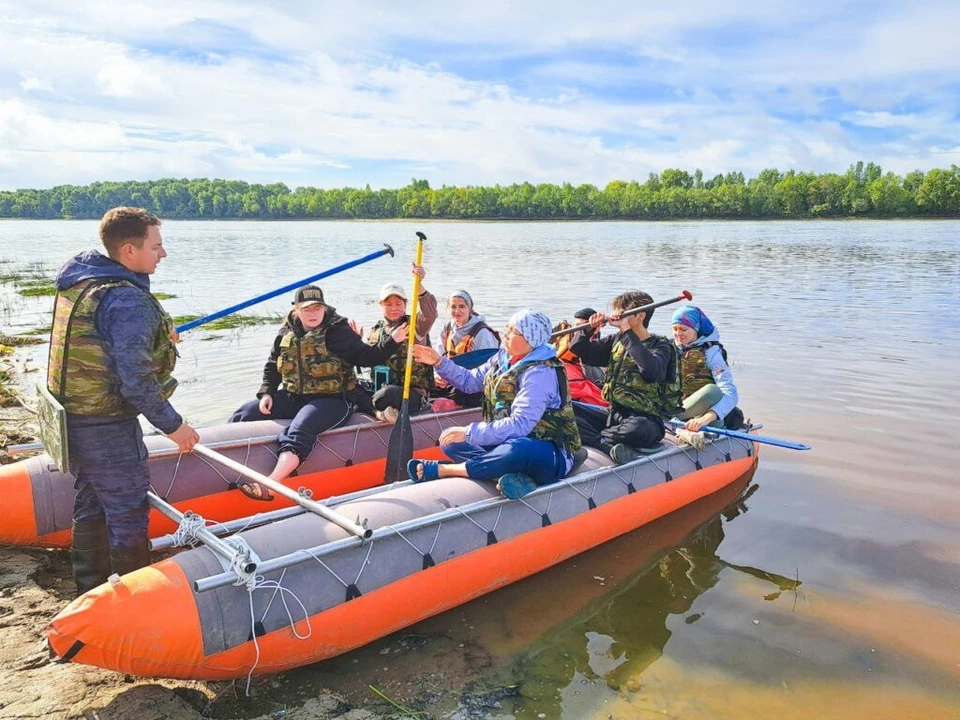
(255, 491)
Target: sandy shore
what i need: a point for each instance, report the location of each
(36, 584)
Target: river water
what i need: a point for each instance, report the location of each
(833, 590)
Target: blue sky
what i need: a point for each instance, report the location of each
(336, 94)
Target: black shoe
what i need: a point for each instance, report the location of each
(579, 458)
(90, 554)
(126, 560)
(622, 454)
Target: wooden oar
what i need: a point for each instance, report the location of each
(684, 295)
(400, 449)
(476, 358)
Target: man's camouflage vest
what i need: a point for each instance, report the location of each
(421, 377)
(557, 425)
(79, 372)
(307, 367)
(625, 387)
(694, 371)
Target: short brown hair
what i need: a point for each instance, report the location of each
(123, 225)
(633, 299)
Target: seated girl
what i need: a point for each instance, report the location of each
(528, 435)
(393, 301)
(309, 378)
(465, 332)
(709, 395)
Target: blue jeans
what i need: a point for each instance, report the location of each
(538, 459)
(310, 415)
(112, 478)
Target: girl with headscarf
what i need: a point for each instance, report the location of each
(709, 395)
(528, 435)
(464, 332)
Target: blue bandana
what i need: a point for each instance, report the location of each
(693, 317)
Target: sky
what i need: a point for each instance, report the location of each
(471, 93)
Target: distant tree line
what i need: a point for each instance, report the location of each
(863, 191)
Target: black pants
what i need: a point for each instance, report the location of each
(392, 396)
(601, 428)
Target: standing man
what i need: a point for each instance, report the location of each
(112, 356)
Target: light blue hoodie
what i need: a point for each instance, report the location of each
(538, 391)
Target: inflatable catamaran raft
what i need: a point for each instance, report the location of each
(301, 588)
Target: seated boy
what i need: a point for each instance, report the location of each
(641, 384)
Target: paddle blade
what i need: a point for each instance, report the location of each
(474, 358)
(400, 448)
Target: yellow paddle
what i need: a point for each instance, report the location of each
(400, 449)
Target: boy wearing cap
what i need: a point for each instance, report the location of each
(642, 382)
(309, 379)
(393, 301)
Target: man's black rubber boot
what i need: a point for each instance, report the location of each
(90, 554)
(126, 560)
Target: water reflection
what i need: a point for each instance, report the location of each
(616, 637)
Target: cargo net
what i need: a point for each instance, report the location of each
(348, 561)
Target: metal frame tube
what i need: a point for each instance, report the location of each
(224, 550)
(281, 489)
(301, 556)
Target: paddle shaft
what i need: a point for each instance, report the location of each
(286, 288)
(685, 295)
(281, 489)
(412, 330)
(764, 439)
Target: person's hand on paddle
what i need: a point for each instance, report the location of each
(266, 404)
(358, 329)
(419, 272)
(399, 333)
(597, 320)
(701, 421)
(185, 437)
(174, 335)
(426, 355)
(453, 435)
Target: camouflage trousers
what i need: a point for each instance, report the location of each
(112, 478)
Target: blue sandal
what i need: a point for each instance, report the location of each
(431, 469)
(516, 485)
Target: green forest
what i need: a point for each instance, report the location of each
(863, 191)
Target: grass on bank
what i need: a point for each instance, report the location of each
(230, 322)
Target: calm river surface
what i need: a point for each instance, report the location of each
(844, 335)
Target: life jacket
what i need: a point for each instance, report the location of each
(563, 343)
(624, 386)
(557, 425)
(694, 371)
(306, 365)
(581, 388)
(80, 374)
(421, 376)
(465, 344)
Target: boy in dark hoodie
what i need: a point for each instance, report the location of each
(641, 382)
(112, 355)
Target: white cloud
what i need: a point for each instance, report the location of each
(319, 93)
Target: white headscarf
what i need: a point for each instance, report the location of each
(533, 325)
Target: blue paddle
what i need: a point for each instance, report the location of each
(286, 288)
(766, 440)
(474, 358)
